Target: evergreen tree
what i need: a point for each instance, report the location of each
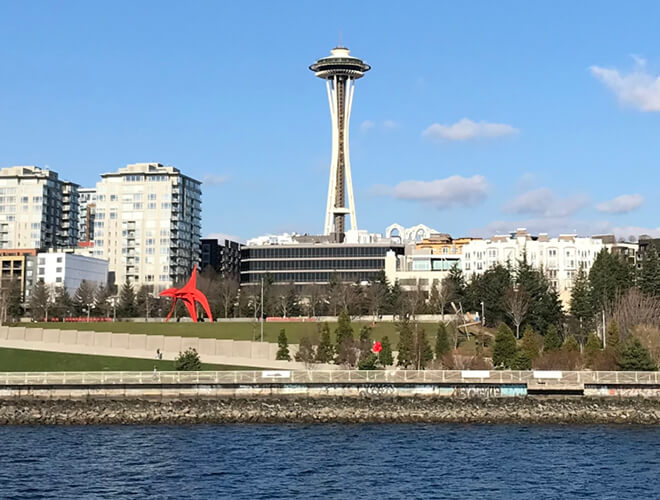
(102, 300)
(489, 287)
(344, 330)
(609, 276)
(552, 339)
(145, 302)
(591, 350)
(188, 361)
(305, 352)
(365, 343)
(422, 352)
(442, 345)
(40, 301)
(63, 305)
(282, 347)
(505, 347)
(571, 345)
(613, 338)
(434, 299)
(395, 300)
(83, 300)
(14, 300)
(126, 307)
(385, 355)
(635, 357)
(455, 282)
(325, 352)
(649, 276)
(582, 307)
(406, 344)
(530, 343)
(521, 361)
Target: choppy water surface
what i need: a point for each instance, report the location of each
(330, 461)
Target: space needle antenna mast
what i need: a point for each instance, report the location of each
(340, 70)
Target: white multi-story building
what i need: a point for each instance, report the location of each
(560, 257)
(86, 212)
(37, 209)
(70, 270)
(419, 268)
(147, 224)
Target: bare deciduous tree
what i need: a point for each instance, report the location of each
(227, 291)
(635, 308)
(517, 304)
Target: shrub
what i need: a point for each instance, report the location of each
(635, 357)
(305, 352)
(368, 362)
(505, 346)
(531, 343)
(559, 360)
(188, 361)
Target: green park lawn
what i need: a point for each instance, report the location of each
(21, 360)
(238, 331)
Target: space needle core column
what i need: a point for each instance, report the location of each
(340, 70)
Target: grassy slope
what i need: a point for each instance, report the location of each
(236, 331)
(19, 360)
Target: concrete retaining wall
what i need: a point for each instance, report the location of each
(229, 352)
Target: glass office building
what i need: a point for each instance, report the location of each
(314, 263)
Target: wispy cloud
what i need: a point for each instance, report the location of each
(215, 180)
(621, 204)
(466, 129)
(638, 89)
(440, 193)
(545, 203)
(562, 225)
(367, 125)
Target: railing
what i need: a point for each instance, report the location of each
(548, 378)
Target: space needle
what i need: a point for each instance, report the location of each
(340, 70)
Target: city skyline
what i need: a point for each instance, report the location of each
(570, 111)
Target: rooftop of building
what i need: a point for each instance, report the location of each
(27, 171)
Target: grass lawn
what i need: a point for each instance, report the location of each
(21, 360)
(237, 331)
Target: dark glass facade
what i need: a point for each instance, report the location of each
(313, 263)
(223, 256)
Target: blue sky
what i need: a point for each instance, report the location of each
(477, 117)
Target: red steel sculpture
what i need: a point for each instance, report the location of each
(189, 295)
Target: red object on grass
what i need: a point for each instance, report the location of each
(189, 294)
(377, 347)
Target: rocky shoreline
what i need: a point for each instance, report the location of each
(527, 410)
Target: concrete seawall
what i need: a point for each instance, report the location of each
(332, 410)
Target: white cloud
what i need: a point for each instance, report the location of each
(367, 125)
(441, 193)
(545, 203)
(638, 88)
(466, 129)
(636, 231)
(390, 124)
(215, 180)
(621, 204)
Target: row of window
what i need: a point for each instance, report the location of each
(282, 265)
(275, 252)
(311, 277)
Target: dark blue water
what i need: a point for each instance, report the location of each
(330, 461)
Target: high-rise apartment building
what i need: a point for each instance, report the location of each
(86, 212)
(147, 224)
(37, 209)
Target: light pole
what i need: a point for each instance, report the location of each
(262, 309)
(483, 314)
